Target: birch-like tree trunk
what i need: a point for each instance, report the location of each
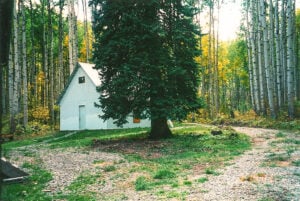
(250, 62)
(266, 57)
(290, 59)
(24, 67)
(11, 86)
(33, 68)
(86, 31)
(253, 38)
(260, 62)
(60, 47)
(15, 69)
(72, 35)
(278, 57)
(44, 91)
(283, 42)
(216, 63)
(51, 66)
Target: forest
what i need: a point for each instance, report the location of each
(256, 74)
(222, 116)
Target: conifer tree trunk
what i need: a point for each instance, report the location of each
(159, 129)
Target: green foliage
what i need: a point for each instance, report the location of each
(146, 58)
(40, 114)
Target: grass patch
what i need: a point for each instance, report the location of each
(211, 171)
(278, 157)
(79, 184)
(187, 183)
(164, 174)
(109, 168)
(202, 180)
(280, 135)
(141, 184)
(31, 189)
(85, 138)
(266, 199)
(296, 163)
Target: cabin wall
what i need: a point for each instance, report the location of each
(77, 95)
(143, 123)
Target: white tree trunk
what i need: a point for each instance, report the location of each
(283, 42)
(254, 53)
(16, 79)
(290, 59)
(278, 57)
(250, 63)
(72, 35)
(266, 57)
(24, 64)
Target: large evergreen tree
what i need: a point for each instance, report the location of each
(144, 51)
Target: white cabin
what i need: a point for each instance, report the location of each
(77, 103)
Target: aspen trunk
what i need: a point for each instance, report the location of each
(278, 57)
(250, 63)
(72, 36)
(261, 74)
(290, 60)
(15, 79)
(51, 66)
(60, 48)
(266, 58)
(254, 57)
(33, 76)
(86, 31)
(24, 64)
(283, 42)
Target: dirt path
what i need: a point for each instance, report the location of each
(263, 173)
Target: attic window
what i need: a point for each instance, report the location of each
(81, 80)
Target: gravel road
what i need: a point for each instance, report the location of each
(251, 176)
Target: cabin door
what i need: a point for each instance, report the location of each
(82, 117)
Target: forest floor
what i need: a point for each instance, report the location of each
(269, 171)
